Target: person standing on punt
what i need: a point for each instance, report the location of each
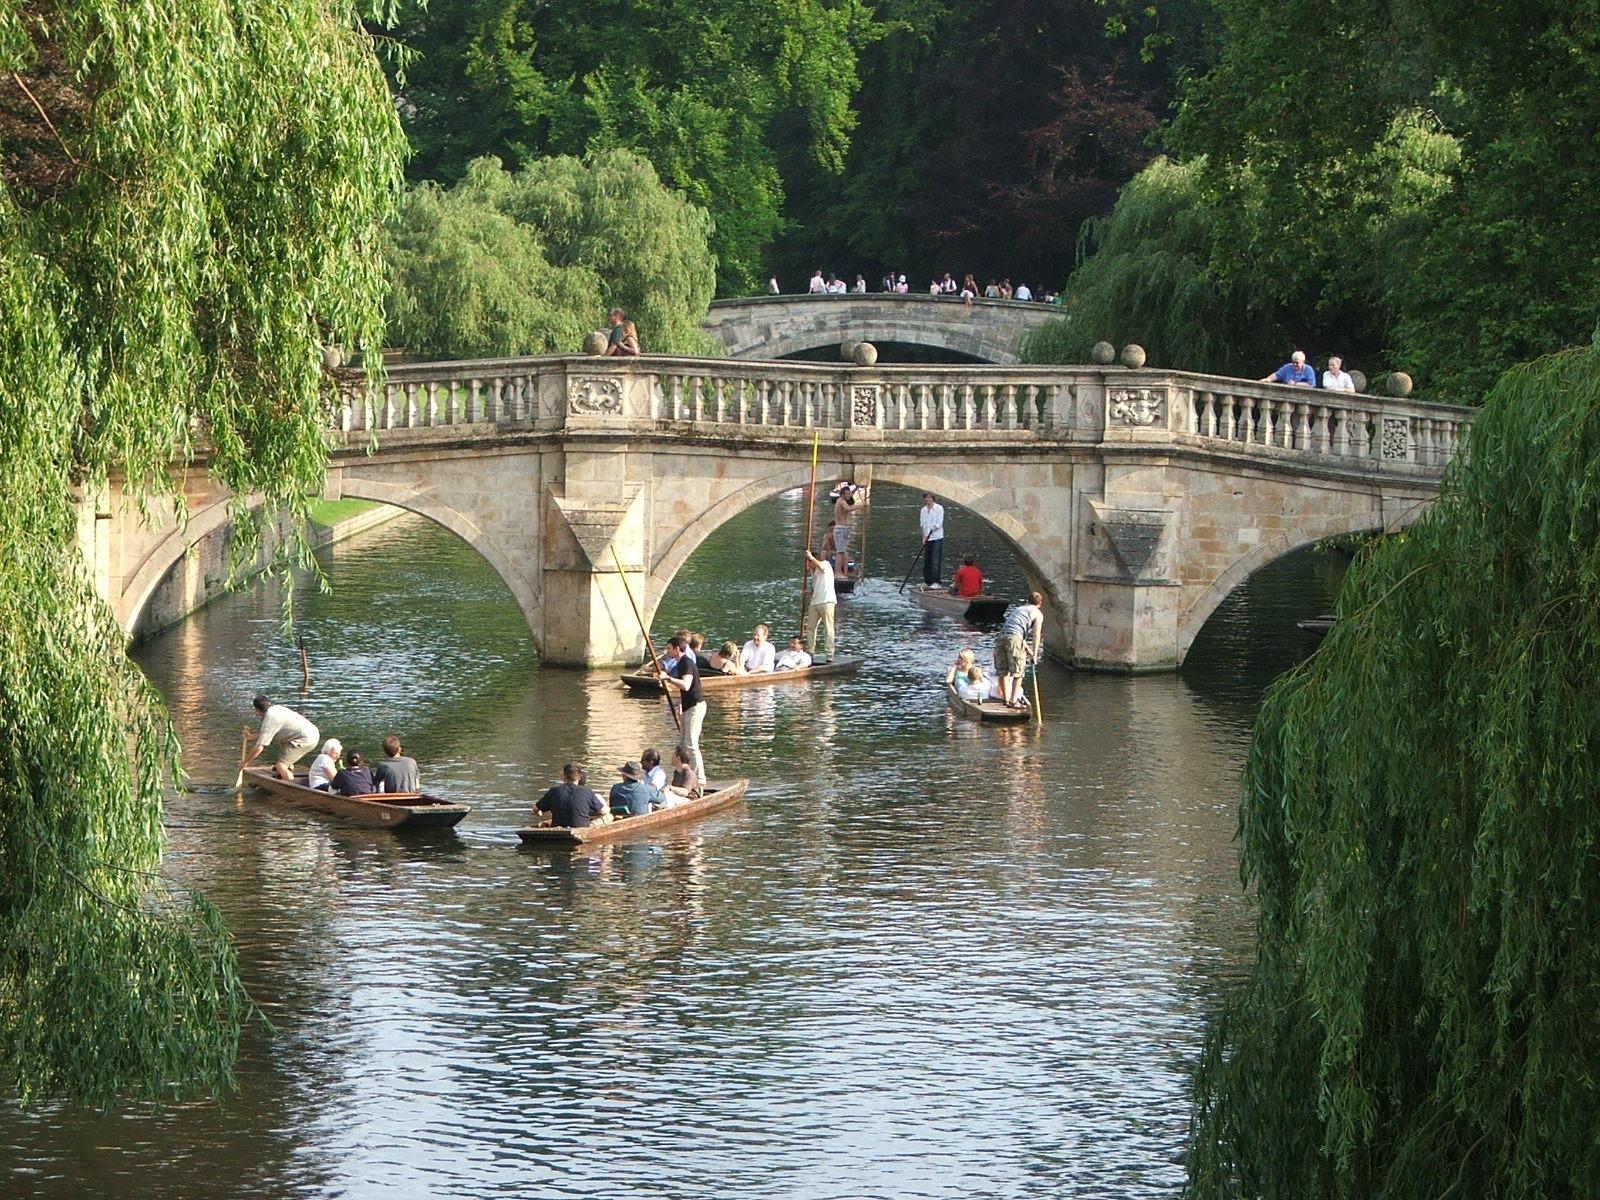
(931, 518)
(570, 804)
(291, 732)
(1020, 642)
(683, 675)
(819, 614)
(841, 527)
(397, 772)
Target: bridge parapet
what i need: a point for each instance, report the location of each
(1318, 429)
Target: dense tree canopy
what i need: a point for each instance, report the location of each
(1419, 822)
(527, 263)
(190, 194)
(694, 85)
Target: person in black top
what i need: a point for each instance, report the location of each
(354, 779)
(683, 676)
(570, 804)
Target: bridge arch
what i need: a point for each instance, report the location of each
(170, 551)
(768, 327)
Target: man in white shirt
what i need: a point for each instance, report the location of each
(1023, 293)
(758, 654)
(817, 285)
(1336, 378)
(292, 733)
(931, 517)
(795, 656)
(819, 613)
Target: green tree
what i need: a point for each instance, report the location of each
(190, 193)
(527, 262)
(1420, 827)
(693, 85)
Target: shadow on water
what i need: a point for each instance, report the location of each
(925, 958)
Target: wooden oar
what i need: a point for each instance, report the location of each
(305, 666)
(811, 515)
(648, 644)
(914, 558)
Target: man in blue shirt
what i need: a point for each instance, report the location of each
(633, 797)
(1295, 372)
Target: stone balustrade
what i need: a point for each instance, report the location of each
(916, 403)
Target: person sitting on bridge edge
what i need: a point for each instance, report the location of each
(397, 772)
(1295, 372)
(968, 579)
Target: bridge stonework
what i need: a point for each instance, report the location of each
(1133, 500)
(764, 327)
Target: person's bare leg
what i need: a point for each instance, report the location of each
(282, 771)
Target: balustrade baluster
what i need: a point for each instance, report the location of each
(1302, 426)
(1319, 430)
(1228, 416)
(1008, 406)
(702, 385)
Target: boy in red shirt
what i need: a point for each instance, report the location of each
(968, 580)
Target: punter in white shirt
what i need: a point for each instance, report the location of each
(1336, 378)
(819, 613)
(291, 732)
(759, 653)
(931, 517)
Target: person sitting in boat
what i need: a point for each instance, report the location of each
(397, 772)
(288, 730)
(958, 669)
(650, 760)
(794, 657)
(355, 779)
(325, 766)
(571, 805)
(759, 654)
(975, 687)
(633, 797)
(685, 783)
(968, 580)
(724, 661)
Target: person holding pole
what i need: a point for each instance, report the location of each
(931, 518)
(683, 676)
(819, 615)
(1020, 642)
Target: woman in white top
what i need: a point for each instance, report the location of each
(974, 688)
(326, 765)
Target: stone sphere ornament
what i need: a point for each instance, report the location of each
(1133, 356)
(595, 343)
(1359, 378)
(865, 354)
(1104, 353)
(1399, 385)
(333, 357)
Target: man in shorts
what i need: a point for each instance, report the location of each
(1020, 641)
(291, 732)
(841, 528)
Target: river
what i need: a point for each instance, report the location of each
(925, 959)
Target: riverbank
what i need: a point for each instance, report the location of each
(201, 575)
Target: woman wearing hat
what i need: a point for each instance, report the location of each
(633, 797)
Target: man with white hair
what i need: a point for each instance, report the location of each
(1295, 373)
(1336, 378)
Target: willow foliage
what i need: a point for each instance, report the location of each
(1420, 824)
(189, 194)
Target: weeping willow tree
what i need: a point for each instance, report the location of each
(1145, 275)
(189, 196)
(1420, 823)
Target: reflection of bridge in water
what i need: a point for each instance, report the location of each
(1133, 500)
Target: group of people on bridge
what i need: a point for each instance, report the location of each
(894, 283)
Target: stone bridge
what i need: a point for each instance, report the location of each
(1133, 500)
(760, 327)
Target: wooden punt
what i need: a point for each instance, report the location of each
(973, 608)
(989, 710)
(722, 796)
(1318, 625)
(390, 810)
(645, 683)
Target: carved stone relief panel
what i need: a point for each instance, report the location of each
(863, 406)
(592, 397)
(1137, 407)
(1396, 439)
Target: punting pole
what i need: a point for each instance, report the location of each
(811, 515)
(914, 558)
(648, 644)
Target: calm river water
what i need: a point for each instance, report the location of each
(926, 959)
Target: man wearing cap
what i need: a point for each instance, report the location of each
(633, 797)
